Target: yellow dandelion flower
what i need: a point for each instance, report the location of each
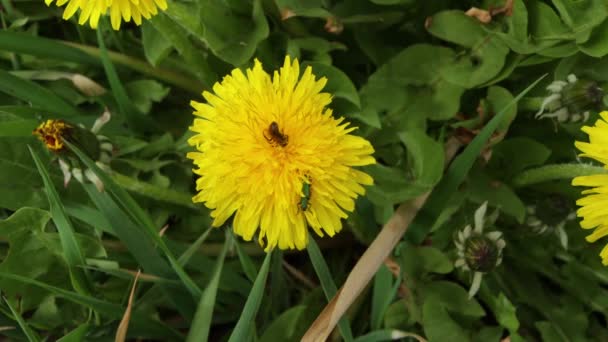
(594, 206)
(270, 151)
(52, 132)
(91, 10)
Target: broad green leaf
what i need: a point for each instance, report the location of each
(481, 187)
(245, 323)
(418, 260)
(438, 325)
(232, 32)
(179, 37)
(340, 86)
(581, 16)
(485, 56)
(597, 45)
(413, 79)
(156, 46)
(76, 335)
(186, 14)
(144, 93)
(285, 326)
(508, 159)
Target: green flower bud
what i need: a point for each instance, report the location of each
(481, 253)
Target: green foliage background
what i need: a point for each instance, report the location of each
(410, 74)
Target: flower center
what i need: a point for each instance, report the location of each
(52, 133)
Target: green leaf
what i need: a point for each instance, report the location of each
(35, 94)
(76, 335)
(418, 260)
(482, 188)
(382, 285)
(339, 86)
(597, 45)
(179, 37)
(246, 262)
(456, 174)
(201, 325)
(139, 216)
(29, 333)
(549, 332)
(186, 14)
(285, 326)
(245, 323)
(107, 308)
(438, 325)
(43, 47)
(156, 46)
(232, 32)
(581, 16)
(414, 78)
(498, 98)
(143, 93)
(485, 56)
(507, 159)
(71, 250)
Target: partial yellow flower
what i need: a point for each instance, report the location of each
(52, 133)
(91, 10)
(594, 206)
(270, 151)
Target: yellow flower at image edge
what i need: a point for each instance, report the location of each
(594, 206)
(270, 151)
(125, 10)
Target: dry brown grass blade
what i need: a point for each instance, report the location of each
(369, 262)
(121, 332)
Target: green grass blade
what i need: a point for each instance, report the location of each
(245, 324)
(154, 192)
(29, 333)
(201, 325)
(133, 117)
(382, 285)
(71, 249)
(140, 246)
(188, 253)
(43, 47)
(139, 216)
(109, 309)
(456, 174)
(327, 283)
(35, 94)
(246, 262)
(76, 335)
(388, 335)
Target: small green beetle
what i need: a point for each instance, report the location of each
(304, 201)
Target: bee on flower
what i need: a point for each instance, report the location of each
(270, 153)
(479, 253)
(53, 133)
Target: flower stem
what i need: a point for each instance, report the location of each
(162, 74)
(554, 172)
(153, 191)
